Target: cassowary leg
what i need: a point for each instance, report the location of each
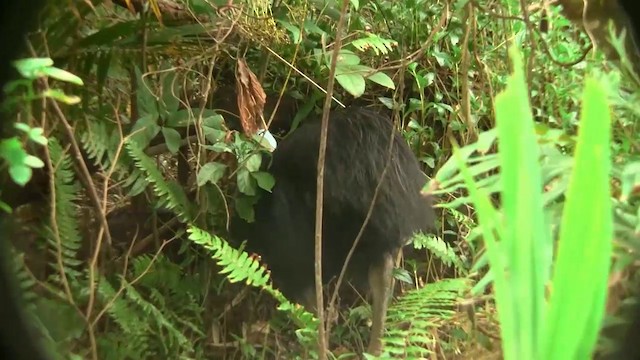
(381, 283)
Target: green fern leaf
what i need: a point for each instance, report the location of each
(241, 267)
(413, 317)
(440, 249)
(376, 43)
(170, 194)
(63, 237)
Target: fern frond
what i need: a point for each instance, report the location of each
(63, 237)
(152, 313)
(136, 182)
(95, 141)
(165, 284)
(170, 194)
(189, 309)
(156, 272)
(378, 44)
(131, 322)
(118, 308)
(161, 319)
(24, 281)
(440, 249)
(412, 319)
(101, 143)
(239, 266)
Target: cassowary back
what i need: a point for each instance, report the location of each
(357, 152)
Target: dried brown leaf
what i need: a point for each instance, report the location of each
(251, 99)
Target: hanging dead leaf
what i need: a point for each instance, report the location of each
(251, 99)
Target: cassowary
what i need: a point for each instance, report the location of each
(357, 152)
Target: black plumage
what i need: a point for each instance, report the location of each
(357, 152)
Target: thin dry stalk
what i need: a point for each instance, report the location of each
(322, 339)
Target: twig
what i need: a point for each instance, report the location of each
(55, 230)
(322, 339)
(286, 81)
(85, 177)
(472, 130)
(327, 92)
(343, 271)
(84, 171)
(142, 244)
(414, 56)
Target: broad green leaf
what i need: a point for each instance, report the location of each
(33, 162)
(253, 162)
(266, 140)
(11, 150)
(109, 35)
(311, 27)
(5, 207)
(353, 83)
(31, 68)
(170, 92)
(211, 172)
(402, 275)
(20, 174)
(388, 102)
(342, 69)
(36, 135)
(62, 75)
(22, 127)
(244, 206)
(264, 179)
(61, 96)
(167, 34)
(296, 34)
(578, 294)
(145, 129)
(172, 139)
(201, 7)
(187, 117)
(382, 79)
(218, 147)
(213, 120)
(246, 183)
(147, 102)
(525, 242)
(345, 58)
(430, 161)
(214, 136)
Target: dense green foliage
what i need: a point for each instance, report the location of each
(161, 281)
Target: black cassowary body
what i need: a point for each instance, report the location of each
(17, 341)
(357, 152)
